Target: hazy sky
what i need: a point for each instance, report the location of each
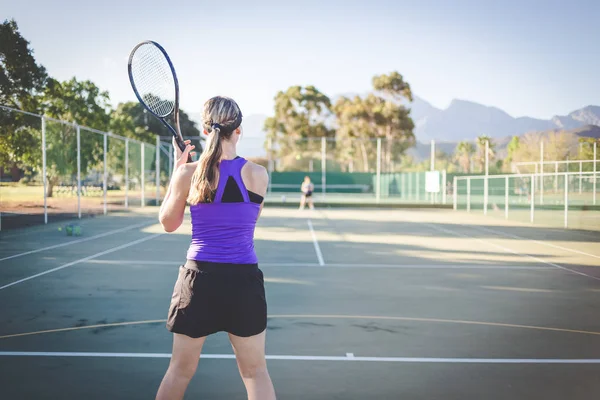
(530, 57)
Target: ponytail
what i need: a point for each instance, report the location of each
(206, 177)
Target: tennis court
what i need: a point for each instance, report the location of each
(363, 303)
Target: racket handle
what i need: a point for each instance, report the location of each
(181, 146)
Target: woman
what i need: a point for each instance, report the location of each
(307, 189)
(220, 287)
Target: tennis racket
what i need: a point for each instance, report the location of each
(154, 83)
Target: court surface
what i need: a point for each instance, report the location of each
(363, 304)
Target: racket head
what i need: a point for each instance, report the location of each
(153, 79)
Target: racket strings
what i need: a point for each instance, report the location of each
(153, 79)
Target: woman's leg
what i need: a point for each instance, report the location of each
(302, 200)
(250, 356)
(186, 354)
(310, 203)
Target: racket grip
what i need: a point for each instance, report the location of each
(181, 146)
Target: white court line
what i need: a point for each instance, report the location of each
(481, 228)
(349, 357)
(123, 246)
(317, 248)
(440, 229)
(78, 241)
(309, 265)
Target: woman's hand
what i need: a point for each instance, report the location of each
(181, 157)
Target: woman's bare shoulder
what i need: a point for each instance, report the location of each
(256, 177)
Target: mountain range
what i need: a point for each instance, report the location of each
(465, 120)
(461, 120)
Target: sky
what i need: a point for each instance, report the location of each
(530, 58)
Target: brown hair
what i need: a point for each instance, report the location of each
(220, 118)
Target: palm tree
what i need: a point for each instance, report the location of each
(463, 153)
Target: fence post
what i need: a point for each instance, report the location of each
(78, 171)
(403, 184)
(270, 163)
(126, 173)
(171, 150)
(556, 177)
(541, 172)
(444, 183)
(506, 189)
(378, 173)
(417, 188)
(455, 193)
(469, 194)
(566, 200)
(323, 165)
(486, 181)
(105, 175)
(45, 178)
(142, 174)
(157, 170)
(532, 198)
(594, 177)
(580, 176)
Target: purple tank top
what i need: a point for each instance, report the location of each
(224, 232)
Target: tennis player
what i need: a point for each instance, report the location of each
(220, 287)
(307, 189)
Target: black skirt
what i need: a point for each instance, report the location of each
(214, 297)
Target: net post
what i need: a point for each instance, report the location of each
(44, 175)
(378, 172)
(142, 175)
(594, 178)
(455, 193)
(566, 200)
(157, 167)
(105, 175)
(469, 194)
(126, 173)
(486, 182)
(78, 171)
(323, 165)
(532, 209)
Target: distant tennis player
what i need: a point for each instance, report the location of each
(307, 189)
(220, 287)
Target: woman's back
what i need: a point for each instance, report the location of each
(223, 230)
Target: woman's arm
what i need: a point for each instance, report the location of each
(173, 206)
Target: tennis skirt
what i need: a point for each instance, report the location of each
(215, 297)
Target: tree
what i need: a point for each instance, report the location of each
(512, 148)
(463, 154)
(80, 102)
(394, 86)
(301, 114)
(361, 120)
(21, 80)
